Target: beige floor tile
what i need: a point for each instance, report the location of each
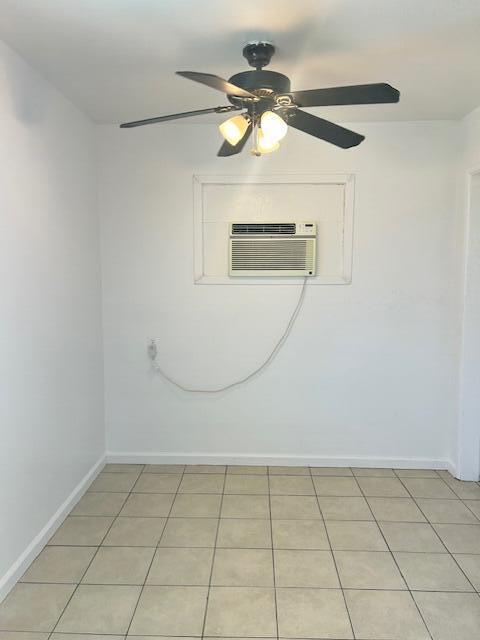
(428, 488)
(415, 537)
(382, 487)
(432, 572)
(372, 473)
(99, 609)
(330, 486)
(220, 638)
(119, 565)
(205, 468)
(247, 484)
(164, 468)
(130, 637)
(59, 564)
(243, 568)
(474, 505)
(301, 568)
(355, 536)
(81, 531)
(135, 532)
(291, 486)
(153, 505)
(389, 615)
(460, 538)
(464, 490)
(416, 473)
(99, 504)
(248, 533)
(157, 483)
(396, 510)
(202, 483)
(181, 567)
(470, 565)
(114, 467)
(85, 636)
(189, 532)
(444, 511)
(116, 482)
(245, 507)
(345, 508)
(331, 471)
(294, 507)
(299, 534)
(368, 570)
(196, 506)
(170, 611)
(288, 471)
(312, 613)
(34, 607)
(23, 635)
(450, 616)
(247, 469)
(246, 612)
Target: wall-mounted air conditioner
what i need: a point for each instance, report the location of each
(272, 249)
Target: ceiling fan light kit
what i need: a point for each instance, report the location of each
(269, 107)
(235, 128)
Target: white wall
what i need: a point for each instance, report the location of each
(467, 444)
(370, 370)
(51, 431)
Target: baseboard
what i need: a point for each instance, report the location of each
(18, 568)
(277, 459)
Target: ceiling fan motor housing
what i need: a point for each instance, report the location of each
(266, 82)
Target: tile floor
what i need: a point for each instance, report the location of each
(250, 552)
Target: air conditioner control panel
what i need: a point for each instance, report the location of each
(306, 229)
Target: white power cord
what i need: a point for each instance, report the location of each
(153, 353)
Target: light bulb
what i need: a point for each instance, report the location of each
(234, 129)
(265, 144)
(274, 127)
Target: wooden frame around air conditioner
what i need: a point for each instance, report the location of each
(347, 180)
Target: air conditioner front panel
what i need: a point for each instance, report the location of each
(272, 256)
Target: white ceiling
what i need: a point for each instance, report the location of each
(116, 58)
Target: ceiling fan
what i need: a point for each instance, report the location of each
(269, 107)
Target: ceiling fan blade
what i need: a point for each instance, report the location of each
(355, 94)
(215, 82)
(176, 116)
(230, 150)
(324, 129)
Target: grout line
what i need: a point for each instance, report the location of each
(334, 560)
(213, 555)
(273, 552)
(247, 586)
(140, 546)
(461, 524)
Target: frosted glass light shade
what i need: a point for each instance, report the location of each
(234, 129)
(265, 144)
(274, 127)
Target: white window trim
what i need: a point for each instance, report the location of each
(346, 179)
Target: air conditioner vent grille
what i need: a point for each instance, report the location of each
(263, 228)
(292, 255)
